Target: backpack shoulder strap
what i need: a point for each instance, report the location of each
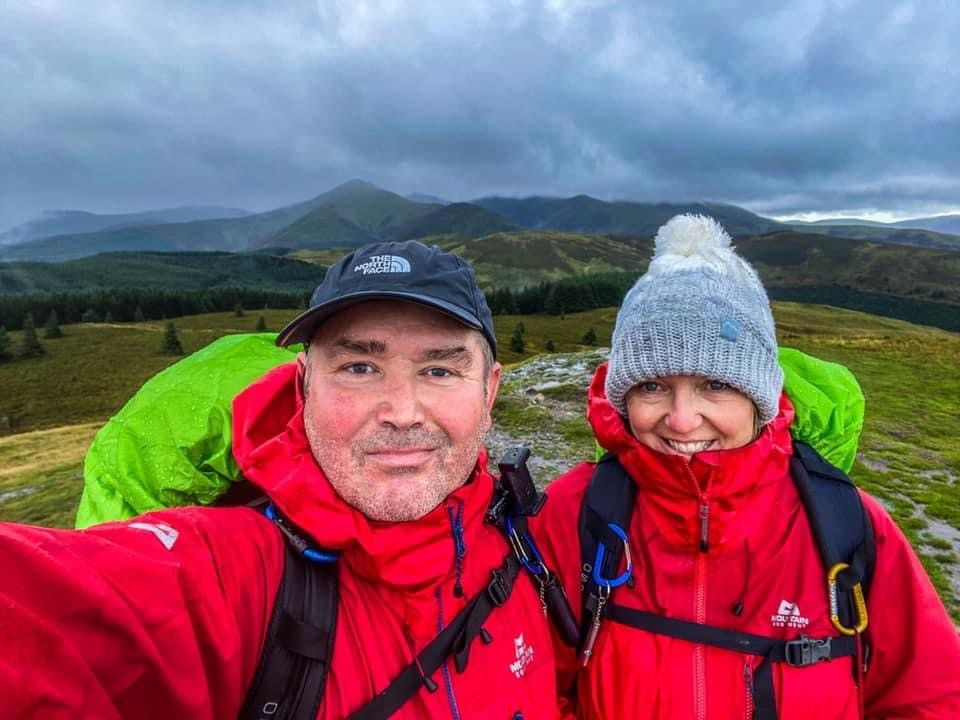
(840, 524)
(610, 498)
(298, 648)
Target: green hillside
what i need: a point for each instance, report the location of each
(585, 214)
(888, 234)
(322, 227)
(374, 210)
(357, 212)
(182, 270)
(526, 257)
(459, 219)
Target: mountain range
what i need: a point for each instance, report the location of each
(356, 213)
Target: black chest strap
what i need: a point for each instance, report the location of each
(801, 652)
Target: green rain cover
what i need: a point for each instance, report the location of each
(829, 405)
(170, 444)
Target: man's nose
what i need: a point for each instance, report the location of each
(402, 405)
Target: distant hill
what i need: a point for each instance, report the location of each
(357, 212)
(527, 257)
(167, 271)
(319, 228)
(949, 224)
(940, 223)
(585, 214)
(463, 220)
(374, 210)
(894, 234)
(424, 198)
(911, 283)
(355, 204)
(65, 222)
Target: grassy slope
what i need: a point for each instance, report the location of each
(909, 457)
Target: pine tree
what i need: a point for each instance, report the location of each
(261, 325)
(589, 337)
(5, 353)
(90, 316)
(138, 315)
(171, 343)
(238, 310)
(31, 347)
(53, 326)
(549, 346)
(517, 343)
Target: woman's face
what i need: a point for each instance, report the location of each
(687, 414)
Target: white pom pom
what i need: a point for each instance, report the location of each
(687, 235)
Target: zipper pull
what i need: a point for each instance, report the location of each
(704, 512)
(595, 627)
(542, 582)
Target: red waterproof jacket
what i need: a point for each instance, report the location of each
(164, 616)
(762, 557)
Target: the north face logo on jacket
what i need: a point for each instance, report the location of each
(378, 264)
(524, 656)
(788, 615)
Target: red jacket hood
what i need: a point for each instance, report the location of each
(739, 484)
(271, 448)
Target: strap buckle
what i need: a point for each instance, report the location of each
(860, 605)
(498, 589)
(806, 651)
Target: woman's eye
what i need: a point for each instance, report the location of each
(717, 385)
(649, 386)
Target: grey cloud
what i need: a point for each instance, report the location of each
(814, 105)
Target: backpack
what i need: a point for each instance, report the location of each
(844, 537)
(291, 674)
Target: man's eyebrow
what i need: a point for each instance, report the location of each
(352, 346)
(459, 354)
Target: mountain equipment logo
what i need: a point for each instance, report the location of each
(383, 264)
(165, 534)
(524, 656)
(788, 615)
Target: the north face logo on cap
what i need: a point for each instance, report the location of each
(383, 264)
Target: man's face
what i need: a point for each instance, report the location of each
(397, 402)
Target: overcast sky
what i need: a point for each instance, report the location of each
(810, 106)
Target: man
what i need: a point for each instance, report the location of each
(370, 450)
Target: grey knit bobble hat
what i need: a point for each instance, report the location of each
(700, 309)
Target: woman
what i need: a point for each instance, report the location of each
(726, 613)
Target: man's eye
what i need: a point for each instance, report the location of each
(358, 368)
(438, 372)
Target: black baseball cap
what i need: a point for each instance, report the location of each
(406, 270)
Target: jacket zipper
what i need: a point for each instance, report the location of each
(748, 700)
(445, 667)
(699, 651)
(700, 595)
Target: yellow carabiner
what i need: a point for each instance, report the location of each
(858, 601)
